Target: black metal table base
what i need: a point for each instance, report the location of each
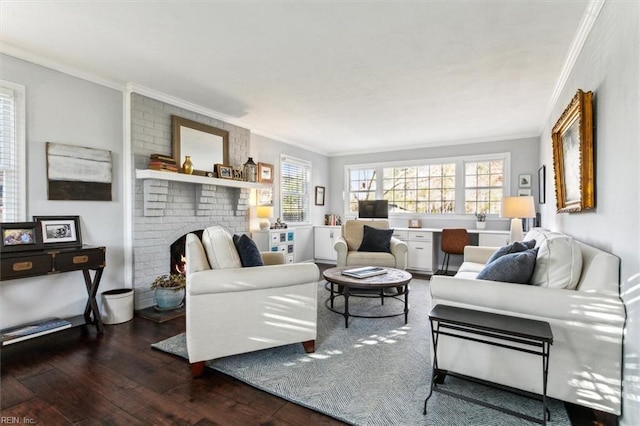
(346, 292)
(518, 334)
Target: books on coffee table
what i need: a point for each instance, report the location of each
(364, 272)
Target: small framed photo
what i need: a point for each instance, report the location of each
(524, 192)
(319, 195)
(224, 172)
(59, 231)
(415, 223)
(265, 172)
(524, 181)
(20, 236)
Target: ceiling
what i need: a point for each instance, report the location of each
(334, 77)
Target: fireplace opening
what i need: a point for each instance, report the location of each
(178, 261)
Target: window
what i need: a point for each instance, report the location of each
(483, 186)
(12, 153)
(444, 186)
(362, 184)
(295, 181)
(420, 189)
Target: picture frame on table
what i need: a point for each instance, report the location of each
(573, 158)
(265, 172)
(59, 231)
(224, 172)
(320, 195)
(20, 236)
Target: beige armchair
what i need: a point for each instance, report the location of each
(352, 234)
(232, 310)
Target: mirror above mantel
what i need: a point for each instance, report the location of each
(206, 145)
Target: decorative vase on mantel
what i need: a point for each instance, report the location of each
(187, 166)
(250, 170)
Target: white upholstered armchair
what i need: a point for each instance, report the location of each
(352, 235)
(232, 310)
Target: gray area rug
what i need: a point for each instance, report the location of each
(376, 372)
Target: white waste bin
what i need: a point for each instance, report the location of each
(117, 305)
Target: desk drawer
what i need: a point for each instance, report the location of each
(420, 236)
(81, 259)
(26, 266)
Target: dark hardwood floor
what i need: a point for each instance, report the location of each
(78, 377)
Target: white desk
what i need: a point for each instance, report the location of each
(424, 244)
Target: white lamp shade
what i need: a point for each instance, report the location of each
(517, 208)
(264, 212)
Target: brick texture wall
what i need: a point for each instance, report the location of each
(172, 209)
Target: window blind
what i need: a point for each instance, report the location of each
(8, 156)
(295, 181)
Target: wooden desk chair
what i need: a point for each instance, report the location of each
(453, 241)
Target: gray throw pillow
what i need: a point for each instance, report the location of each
(512, 248)
(511, 268)
(377, 240)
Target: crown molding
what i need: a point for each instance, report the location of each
(16, 52)
(163, 97)
(444, 142)
(584, 29)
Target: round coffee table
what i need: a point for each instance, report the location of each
(393, 279)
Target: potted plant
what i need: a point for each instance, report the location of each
(480, 220)
(169, 291)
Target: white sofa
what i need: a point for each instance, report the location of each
(232, 310)
(587, 322)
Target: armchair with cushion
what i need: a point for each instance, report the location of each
(232, 310)
(352, 252)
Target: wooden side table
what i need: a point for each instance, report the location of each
(52, 261)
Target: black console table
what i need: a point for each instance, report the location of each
(519, 334)
(35, 263)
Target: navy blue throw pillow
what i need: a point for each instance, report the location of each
(247, 250)
(378, 240)
(512, 248)
(511, 268)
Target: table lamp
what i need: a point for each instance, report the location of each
(264, 213)
(517, 208)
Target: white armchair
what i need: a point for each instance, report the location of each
(347, 247)
(232, 310)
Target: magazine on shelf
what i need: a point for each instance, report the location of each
(364, 272)
(28, 331)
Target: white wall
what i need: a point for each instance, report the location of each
(268, 150)
(609, 65)
(61, 108)
(524, 154)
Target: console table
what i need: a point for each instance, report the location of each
(52, 261)
(515, 333)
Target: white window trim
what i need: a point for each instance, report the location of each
(305, 163)
(460, 161)
(21, 158)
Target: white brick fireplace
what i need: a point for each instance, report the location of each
(163, 210)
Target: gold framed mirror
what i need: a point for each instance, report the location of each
(206, 145)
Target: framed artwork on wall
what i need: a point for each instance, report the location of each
(524, 181)
(573, 163)
(320, 195)
(542, 184)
